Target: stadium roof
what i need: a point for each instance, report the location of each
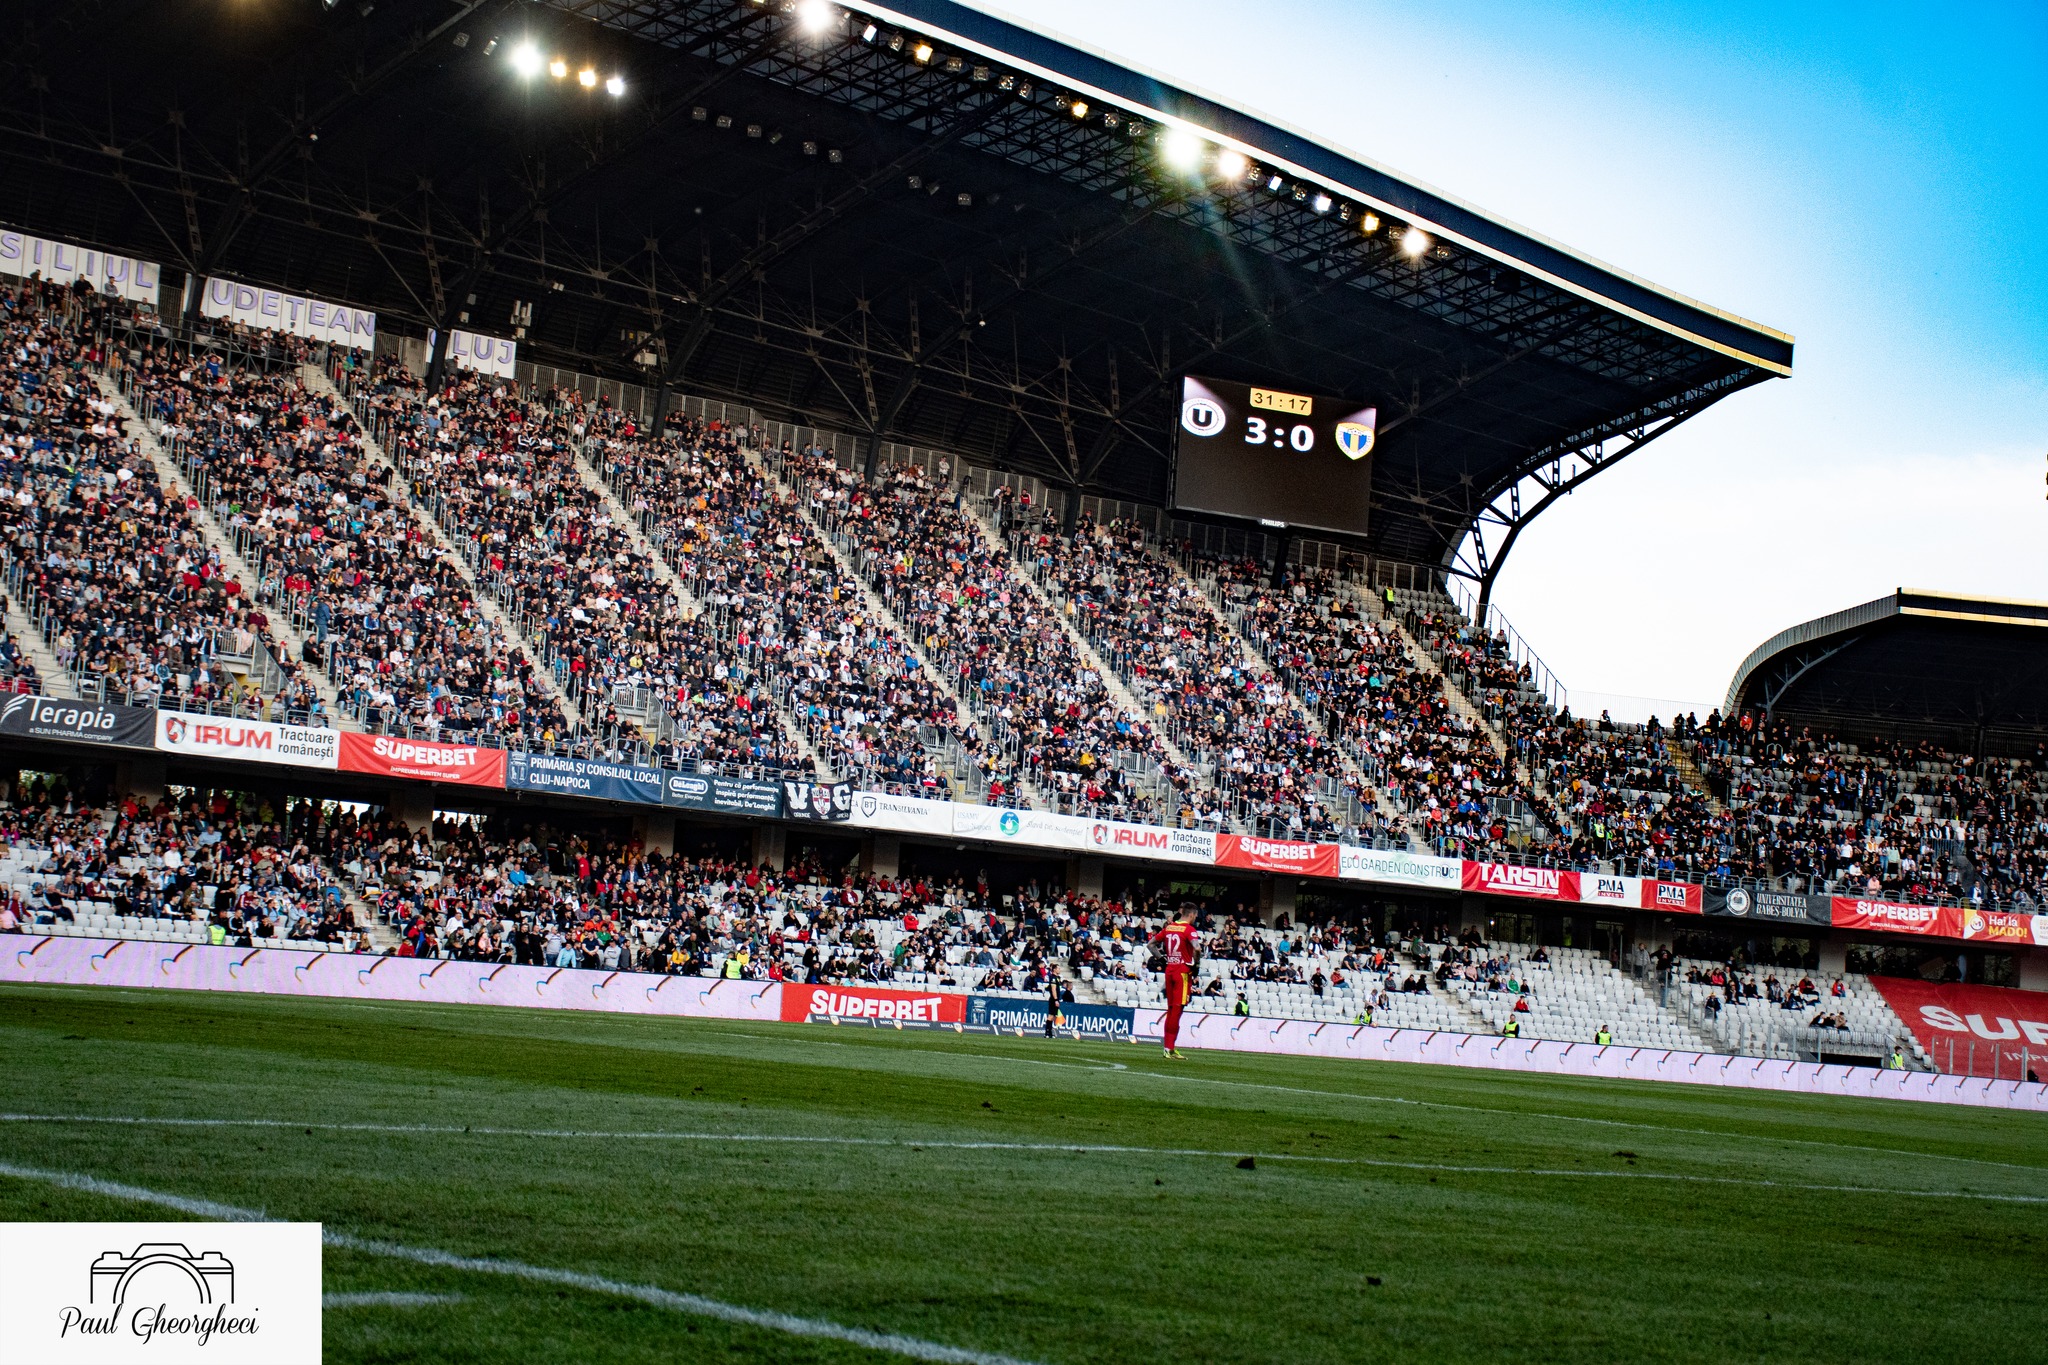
(920, 223)
(1970, 672)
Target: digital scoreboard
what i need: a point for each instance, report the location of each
(1273, 455)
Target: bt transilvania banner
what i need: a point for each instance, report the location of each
(248, 741)
(1973, 1030)
(581, 777)
(1008, 1012)
(872, 1002)
(422, 760)
(62, 262)
(78, 722)
(276, 311)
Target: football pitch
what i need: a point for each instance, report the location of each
(512, 1185)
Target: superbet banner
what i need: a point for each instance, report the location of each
(423, 761)
(1276, 855)
(1973, 1030)
(864, 1002)
(1893, 917)
(1530, 883)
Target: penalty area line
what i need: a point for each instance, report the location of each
(1052, 1148)
(695, 1305)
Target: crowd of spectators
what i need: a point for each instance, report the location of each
(107, 562)
(227, 862)
(1264, 763)
(1004, 652)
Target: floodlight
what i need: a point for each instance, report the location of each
(867, 35)
(815, 15)
(1232, 165)
(1079, 109)
(587, 78)
(615, 86)
(526, 60)
(1322, 203)
(923, 52)
(558, 68)
(1183, 149)
(1275, 184)
(1415, 242)
(1369, 224)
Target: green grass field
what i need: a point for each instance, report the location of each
(1393, 1211)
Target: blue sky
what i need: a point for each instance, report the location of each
(1872, 178)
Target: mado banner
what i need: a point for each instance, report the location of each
(582, 777)
(872, 1002)
(1006, 1013)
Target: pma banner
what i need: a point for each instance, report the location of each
(1010, 1013)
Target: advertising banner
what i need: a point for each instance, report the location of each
(1009, 1013)
(1276, 855)
(1598, 888)
(1894, 917)
(727, 795)
(1036, 828)
(1153, 841)
(271, 309)
(1973, 1030)
(1513, 879)
(580, 777)
(422, 760)
(872, 1002)
(78, 722)
(484, 355)
(1794, 908)
(1673, 898)
(1400, 868)
(61, 262)
(822, 800)
(250, 741)
(879, 810)
(2010, 928)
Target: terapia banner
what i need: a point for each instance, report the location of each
(78, 722)
(1973, 1030)
(422, 760)
(872, 1002)
(1276, 855)
(1513, 879)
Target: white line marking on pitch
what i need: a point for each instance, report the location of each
(387, 1299)
(1067, 1148)
(694, 1304)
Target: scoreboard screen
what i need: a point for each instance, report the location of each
(1273, 455)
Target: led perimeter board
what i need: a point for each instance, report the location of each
(1273, 455)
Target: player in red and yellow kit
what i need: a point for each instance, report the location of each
(1177, 943)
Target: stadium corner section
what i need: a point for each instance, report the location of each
(63, 960)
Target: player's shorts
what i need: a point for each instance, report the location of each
(1180, 986)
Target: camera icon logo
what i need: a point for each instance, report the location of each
(212, 1274)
